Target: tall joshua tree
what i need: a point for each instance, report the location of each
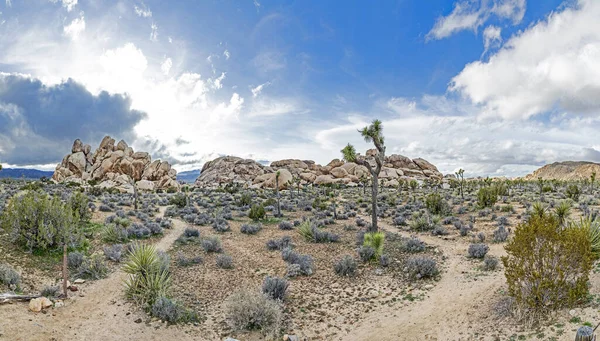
(372, 133)
(460, 175)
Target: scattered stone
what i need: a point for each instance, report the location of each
(79, 281)
(35, 305)
(138, 320)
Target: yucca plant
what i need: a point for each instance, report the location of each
(562, 211)
(306, 231)
(149, 277)
(375, 240)
(538, 209)
(593, 229)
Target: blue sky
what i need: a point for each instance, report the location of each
(497, 87)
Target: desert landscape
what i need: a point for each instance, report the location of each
(299, 170)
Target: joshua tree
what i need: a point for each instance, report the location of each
(460, 175)
(592, 180)
(540, 184)
(372, 133)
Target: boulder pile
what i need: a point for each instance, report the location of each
(115, 166)
(230, 169)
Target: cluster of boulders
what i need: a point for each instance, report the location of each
(230, 169)
(115, 166)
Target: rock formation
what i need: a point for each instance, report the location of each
(566, 170)
(230, 169)
(114, 166)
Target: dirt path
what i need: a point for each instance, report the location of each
(97, 312)
(447, 312)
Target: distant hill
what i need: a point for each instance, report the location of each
(189, 176)
(19, 173)
(566, 170)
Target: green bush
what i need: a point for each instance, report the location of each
(487, 197)
(252, 310)
(179, 200)
(245, 200)
(79, 203)
(547, 267)
(35, 221)
(257, 212)
(436, 204)
(375, 240)
(573, 192)
(593, 229)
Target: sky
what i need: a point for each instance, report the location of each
(496, 87)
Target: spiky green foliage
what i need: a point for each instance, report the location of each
(349, 153)
(538, 209)
(562, 211)
(372, 133)
(149, 277)
(375, 240)
(306, 231)
(592, 227)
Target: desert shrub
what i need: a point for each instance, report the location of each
(345, 266)
(490, 263)
(439, 230)
(113, 252)
(212, 244)
(275, 288)
(221, 225)
(184, 261)
(105, 208)
(487, 197)
(257, 212)
(167, 310)
(384, 261)
(399, 221)
(547, 267)
(306, 230)
(573, 192)
(8, 276)
(480, 237)
(251, 228)
(245, 200)
(478, 250)
(35, 221)
(79, 203)
(305, 265)
(375, 240)
(367, 253)
(500, 234)
(179, 200)
(436, 204)
(75, 259)
(252, 310)
(286, 225)
(413, 245)
(148, 275)
(225, 261)
(421, 267)
(93, 267)
(280, 244)
(50, 291)
(324, 236)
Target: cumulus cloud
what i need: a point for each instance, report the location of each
(75, 28)
(551, 66)
(492, 37)
(68, 4)
(166, 65)
(472, 14)
(142, 11)
(39, 122)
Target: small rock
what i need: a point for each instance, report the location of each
(428, 286)
(373, 293)
(79, 281)
(35, 305)
(46, 303)
(59, 304)
(231, 339)
(73, 288)
(138, 320)
(572, 312)
(378, 272)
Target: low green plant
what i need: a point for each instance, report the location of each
(375, 240)
(592, 227)
(257, 212)
(148, 275)
(573, 192)
(487, 197)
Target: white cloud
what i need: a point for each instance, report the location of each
(492, 37)
(274, 107)
(154, 32)
(257, 90)
(256, 4)
(217, 83)
(68, 4)
(472, 14)
(551, 66)
(75, 28)
(227, 54)
(166, 65)
(144, 11)
(8, 3)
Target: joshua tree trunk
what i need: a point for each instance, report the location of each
(277, 193)
(65, 270)
(135, 197)
(375, 189)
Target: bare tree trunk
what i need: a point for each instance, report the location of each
(277, 191)
(65, 270)
(375, 188)
(135, 197)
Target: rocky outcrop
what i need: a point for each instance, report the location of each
(115, 166)
(230, 169)
(566, 170)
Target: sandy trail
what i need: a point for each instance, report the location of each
(98, 312)
(447, 311)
